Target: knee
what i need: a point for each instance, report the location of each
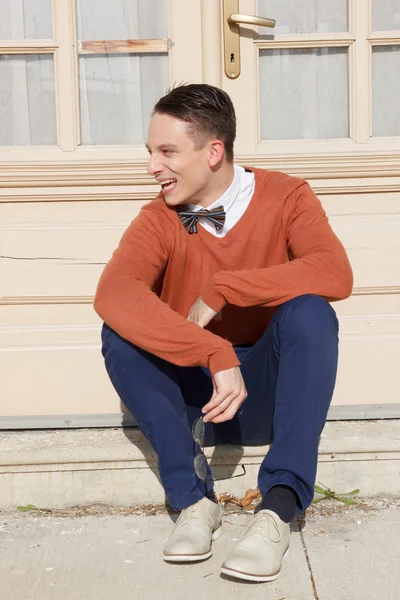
(115, 346)
(310, 317)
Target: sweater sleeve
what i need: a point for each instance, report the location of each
(125, 299)
(318, 262)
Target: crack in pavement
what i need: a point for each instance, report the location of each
(309, 565)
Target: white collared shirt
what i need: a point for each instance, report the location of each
(235, 200)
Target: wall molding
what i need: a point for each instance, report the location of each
(58, 181)
(305, 40)
(124, 193)
(44, 300)
(382, 290)
(68, 173)
(28, 46)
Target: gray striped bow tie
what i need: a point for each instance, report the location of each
(189, 218)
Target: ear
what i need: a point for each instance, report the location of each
(216, 150)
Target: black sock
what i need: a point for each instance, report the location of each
(211, 496)
(281, 499)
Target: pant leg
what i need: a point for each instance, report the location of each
(301, 349)
(148, 387)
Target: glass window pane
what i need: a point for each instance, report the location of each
(304, 16)
(122, 19)
(27, 100)
(385, 15)
(385, 90)
(303, 94)
(25, 19)
(118, 94)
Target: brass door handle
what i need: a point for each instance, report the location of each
(232, 19)
(236, 19)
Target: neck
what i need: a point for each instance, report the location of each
(220, 183)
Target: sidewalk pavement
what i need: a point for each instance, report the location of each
(105, 553)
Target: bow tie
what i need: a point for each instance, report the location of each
(189, 218)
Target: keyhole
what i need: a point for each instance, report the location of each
(232, 58)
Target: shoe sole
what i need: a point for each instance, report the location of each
(193, 557)
(249, 577)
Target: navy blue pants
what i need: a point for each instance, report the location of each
(289, 376)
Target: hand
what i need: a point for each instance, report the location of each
(229, 394)
(200, 313)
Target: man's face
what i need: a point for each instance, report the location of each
(173, 156)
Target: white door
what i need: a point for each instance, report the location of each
(316, 97)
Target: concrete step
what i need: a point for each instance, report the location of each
(59, 468)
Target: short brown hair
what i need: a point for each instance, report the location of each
(208, 110)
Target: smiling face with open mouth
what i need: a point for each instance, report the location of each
(182, 168)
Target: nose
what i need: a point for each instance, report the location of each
(153, 166)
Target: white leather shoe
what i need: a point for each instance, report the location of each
(258, 555)
(197, 526)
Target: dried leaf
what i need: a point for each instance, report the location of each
(227, 498)
(249, 496)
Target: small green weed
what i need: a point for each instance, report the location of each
(326, 493)
(32, 507)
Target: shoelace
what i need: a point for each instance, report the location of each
(193, 512)
(188, 513)
(258, 526)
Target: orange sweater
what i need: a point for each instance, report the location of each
(282, 247)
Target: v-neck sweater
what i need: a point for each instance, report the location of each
(282, 247)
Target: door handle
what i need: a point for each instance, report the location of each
(232, 20)
(235, 19)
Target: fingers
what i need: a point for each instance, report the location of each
(200, 313)
(220, 394)
(192, 315)
(228, 395)
(228, 414)
(197, 320)
(216, 398)
(223, 408)
(218, 408)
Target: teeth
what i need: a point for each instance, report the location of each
(163, 183)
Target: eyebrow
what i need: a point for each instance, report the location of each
(164, 147)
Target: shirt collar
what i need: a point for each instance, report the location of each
(228, 197)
